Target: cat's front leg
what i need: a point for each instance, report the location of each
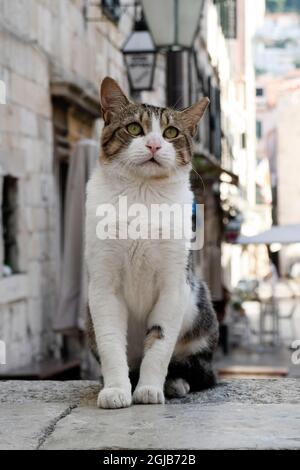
(163, 328)
(109, 315)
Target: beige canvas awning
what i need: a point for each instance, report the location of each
(283, 234)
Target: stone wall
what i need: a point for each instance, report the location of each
(40, 39)
(26, 153)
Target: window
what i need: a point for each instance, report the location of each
(258, 129)
(9, 224)
(228, 17)
(244, 140)
(259, 91)
(215, 120)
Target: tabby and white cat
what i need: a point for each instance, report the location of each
(151, 324)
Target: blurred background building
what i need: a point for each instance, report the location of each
(53, 55)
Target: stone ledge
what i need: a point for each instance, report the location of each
(239, 414)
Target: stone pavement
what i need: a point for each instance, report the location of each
(238, 414)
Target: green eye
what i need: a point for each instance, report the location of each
(135, 129)
(171, 132)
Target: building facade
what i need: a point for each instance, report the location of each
(277, 102)
(51, 61)
(277, 44)
(241, 210)
(278, 143)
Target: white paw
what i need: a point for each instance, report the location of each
(114, 398)
(147, 394)
(176, 388)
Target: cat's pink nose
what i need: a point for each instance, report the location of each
(153, 147)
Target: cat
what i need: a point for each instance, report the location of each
(150, 322)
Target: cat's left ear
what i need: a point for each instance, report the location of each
(112, 98)
(194, 113)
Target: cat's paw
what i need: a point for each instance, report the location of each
(114, 398)
(148, 394)
(176, 388)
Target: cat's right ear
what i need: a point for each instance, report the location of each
(112, 98)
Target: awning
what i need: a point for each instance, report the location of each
(210, 168)
(283, 234)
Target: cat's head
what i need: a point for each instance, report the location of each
(144, 140)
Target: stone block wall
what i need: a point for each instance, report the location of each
(38, 37)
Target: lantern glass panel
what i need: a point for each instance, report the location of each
(140, 68)
(172, 22)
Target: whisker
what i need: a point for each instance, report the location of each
(201, 179)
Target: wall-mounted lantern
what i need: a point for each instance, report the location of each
(140, 59)
(173, 23)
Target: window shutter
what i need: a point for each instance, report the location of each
(228, 17)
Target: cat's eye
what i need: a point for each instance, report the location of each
(171, 132)
(135, 129)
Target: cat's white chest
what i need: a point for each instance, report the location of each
(140, 277)
(140, 291)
